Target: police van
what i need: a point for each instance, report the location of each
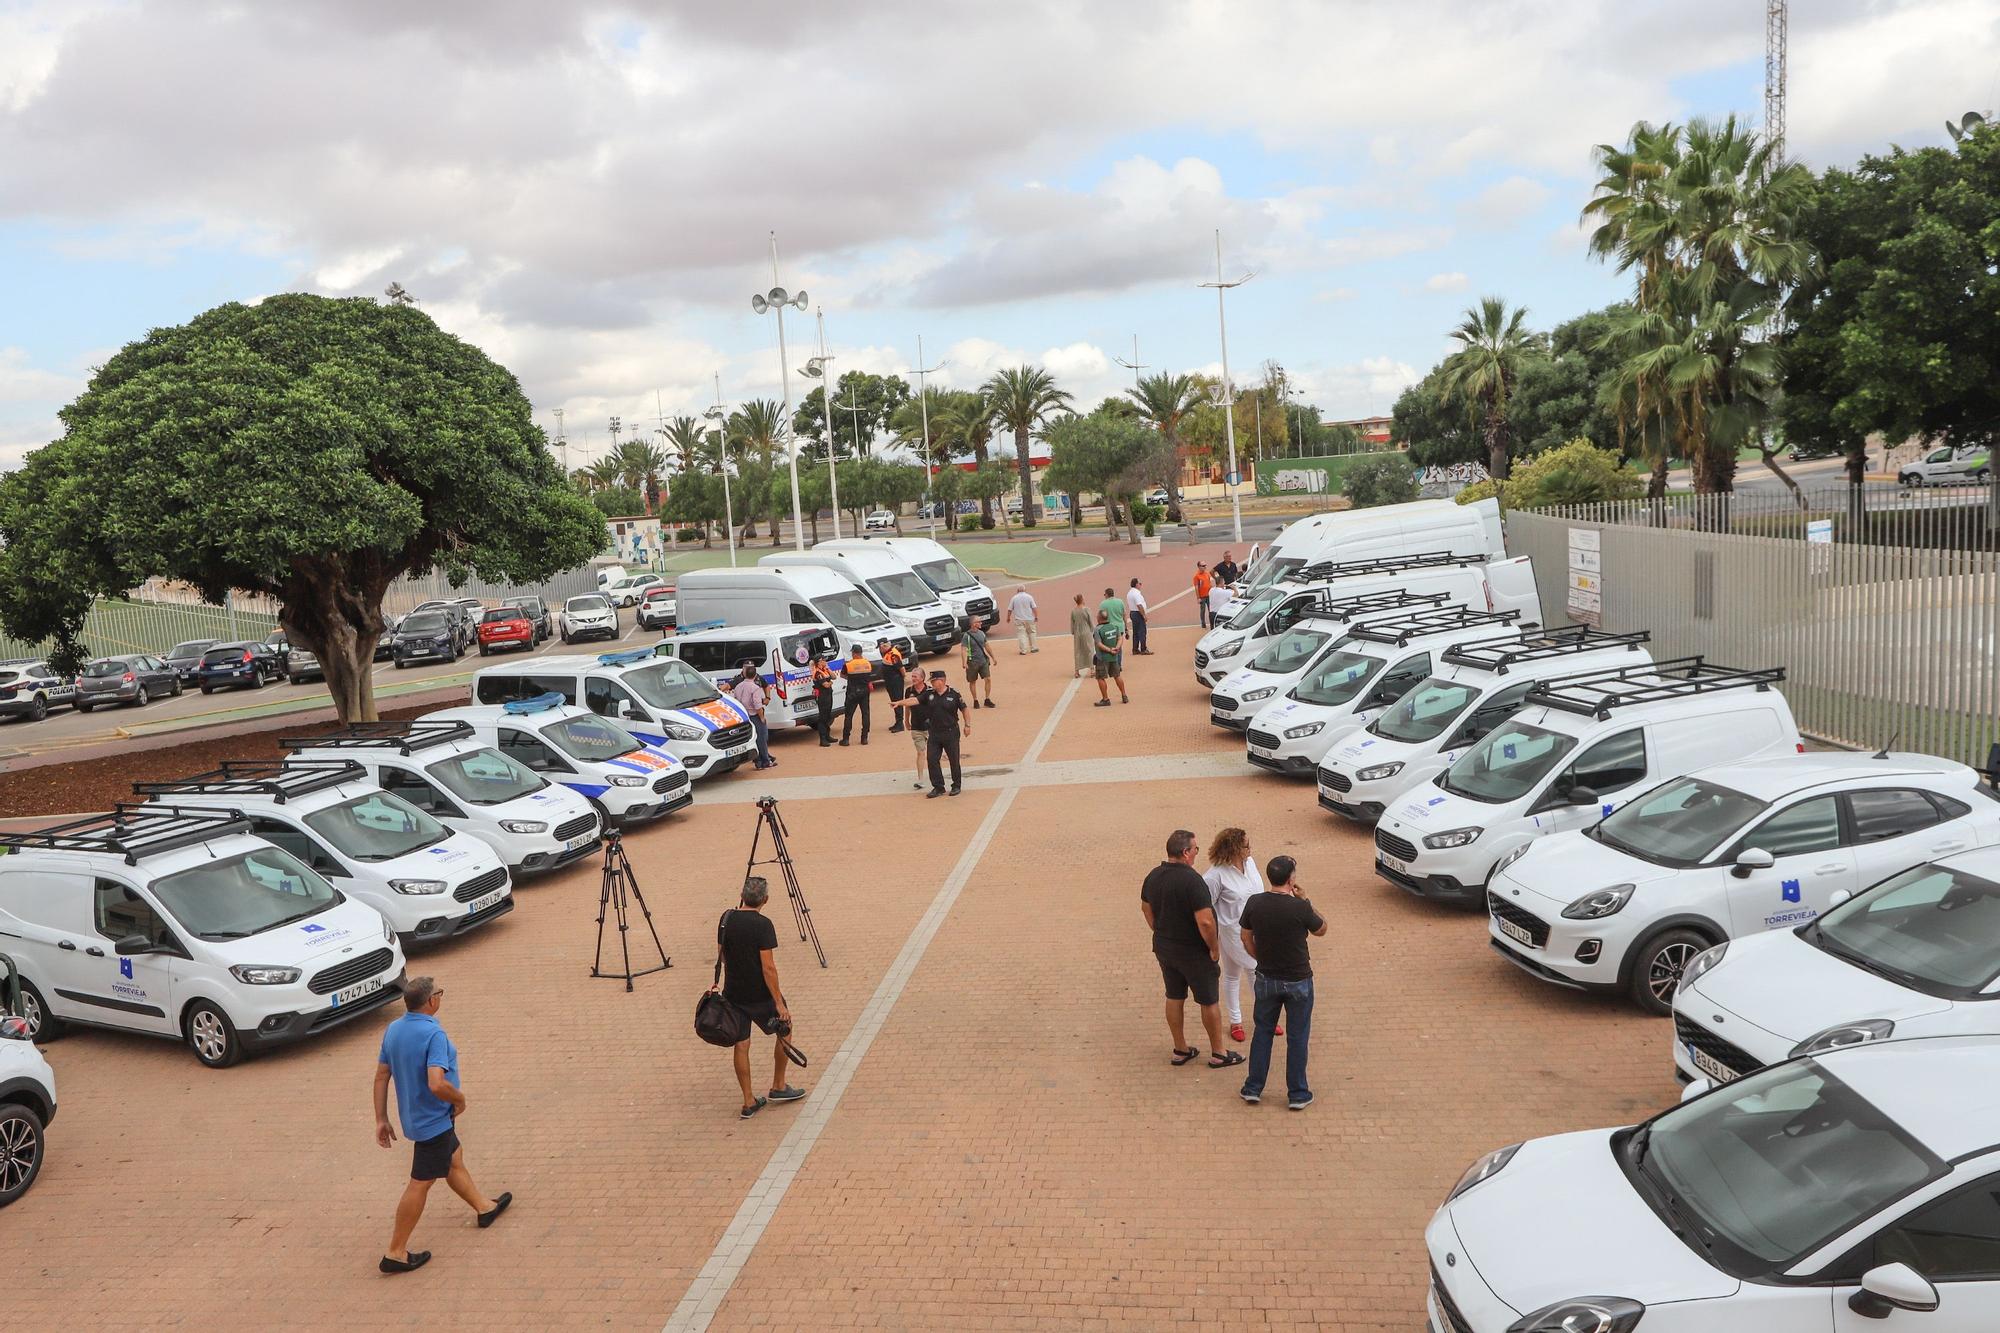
(178, 922)
(627, 780)
(783, 654)
(791, 593)
(661, 702)
(428, 882)
(443, 770)
(930, 561)
(881, 573)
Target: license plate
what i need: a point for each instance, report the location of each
(1262, 751)
(353, 993)
(1709, 1067)
(744, 748)
(478, 905)
(1514, 932)
(804, 709)
(583, 841)
(1400, 867)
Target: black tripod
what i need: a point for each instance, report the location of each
(768, 817)
(618, 883)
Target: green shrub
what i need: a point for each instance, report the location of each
(1384, 479)
(1574, 474)
(1483, 490)
(968, 522)
(687, 535)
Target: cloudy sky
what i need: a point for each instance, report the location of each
(585, 189)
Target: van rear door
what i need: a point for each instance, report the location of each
(1510, 586)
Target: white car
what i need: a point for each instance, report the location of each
(589, 616)
(27, 1106)
(1949, 467)
(1730, 850)
(429, 883)
(1574, 753)
(628, 781)
(1918, 955)
(1477, 686)
(442, 769)
(1851, 1190)
(879, 520)
(180, 923)
(627, 591)
(658, 607)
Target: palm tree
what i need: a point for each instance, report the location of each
(1165, 400)
(605, 473)
(758, 426)
(1022, 399)
(641, 463)
(964, 424)
(906, 423)
(1493, 341)
(684, 440)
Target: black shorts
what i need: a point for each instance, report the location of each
(431, 1158)
(764, 1013)
(1187, 970)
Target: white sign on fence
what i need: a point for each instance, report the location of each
(1586, 569)
(1819, 532)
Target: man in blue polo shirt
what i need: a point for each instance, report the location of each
(420, 1059)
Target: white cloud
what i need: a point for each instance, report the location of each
(1364, 388)
(1446, 282)
(1505, 203)
(1077, 361)
(1336, 294)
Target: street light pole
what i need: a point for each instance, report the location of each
(817, 368)
(1229, 416)
(777, 299)
(721, 420)
(1135, 365)
(924, 412)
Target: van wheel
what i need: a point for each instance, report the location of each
(210, 1036)
(39, 709)
(1657, 967)
(42, 1025)
(20, 1150)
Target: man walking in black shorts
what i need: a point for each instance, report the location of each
(750, 982)
(1176, 905)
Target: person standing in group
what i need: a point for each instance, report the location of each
(1135, 609)
(1219, 598)
(892, 679)
(910, 710)
(748, 943)
(858, 674)
(1113, 606)
(978, 661)
(748, 689)
(1021, 612)
(1175, 902)
(1275, 926)
(1232, 880)
(1203, 581)
(1226, 571)
(421, 1061)
(1080, 636)
(945, 712)
(822, 683)
(1108, 660)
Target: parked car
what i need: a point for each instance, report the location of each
(880, 520)
(460, 623)
(27, 1106)
(505, 627)
(298, 663)
(627, 591)
(238, 665)
(659, 608)
(131, 678)
(1802, 453)
(280, 643)
(1157, 496)
(538, 614)
(588, 616)
(185, 658)
(427, 636)
(1949, 467)
(28, 688)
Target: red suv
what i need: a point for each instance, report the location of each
(505, 627)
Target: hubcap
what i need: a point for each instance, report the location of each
(1664, 976)
(206, 1033)
(20, 1148)
(31, 1009)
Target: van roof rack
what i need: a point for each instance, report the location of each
(402, 737)
(1441, 621)
(1498, 655)
(280, 779)
(1596, 693)
(132, 831)
(1346, 569)
(1324, 607)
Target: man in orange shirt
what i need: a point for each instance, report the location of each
(822, 683)
(1203, 581)
(860, 673)
(892, 679)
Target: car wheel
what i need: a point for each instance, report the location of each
(176, 690)
(20, 1150)
(482, 650)
(1981, 477)
(400, 663)
(207, 689)
(42, 1025)
(139, 699)
(210, 1036)
(85, 708)
(1911, 479)
(39, 709)
(1657, 966)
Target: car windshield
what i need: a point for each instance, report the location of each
(428, 622)
(109, 666)
(1424, 713)
(1249, 615)
(485, 777)
(669, 684)
(1274, 571)
(376, 827)
(1507, 764)
(591, 603)
(946, 575)
(193, 648)
(849, 610)
(1291, 651)
(902, 590)
(504, 613)
(422, 607)
(1777, 1164)
(1336, 678)
(591, 739)
(243, 895)
(1680, 823)
(1933, 928)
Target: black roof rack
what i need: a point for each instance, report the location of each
(1401, 631)
(278, 779)
(1497, 655)
(132, 831)
(1324, 606)
(402, 737)
(1346, 569)
(1596, 693)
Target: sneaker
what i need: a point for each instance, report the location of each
(1300, 1104)
(788, 1093)
(1251, 1097)
(989, 703)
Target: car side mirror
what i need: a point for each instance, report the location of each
(1836, 898)
(133, 946)
(1893, 1287)
(1697, 1088)
(1752, 858)
(1581, 796)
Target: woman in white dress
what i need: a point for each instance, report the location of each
(1232, 877)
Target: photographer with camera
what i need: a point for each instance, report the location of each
(748, 942)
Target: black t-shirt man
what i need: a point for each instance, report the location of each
(1279, 924)
(1176, 891)
(744, 935)
(940, 709)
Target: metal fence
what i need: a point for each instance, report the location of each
(1880, 641)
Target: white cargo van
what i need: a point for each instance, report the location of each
(950, 580)
(627, 780)
(1373, 534)
(783, 654)
(916, 610)
(787, 593)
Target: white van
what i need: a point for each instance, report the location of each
(180, 923)
(1580, 747)
(443, 770)
(1349, 535)
(787, 593)
(428, 882)
(660, 702)
(951, 581)
(627, 780)
(783, 654)
(918, 613)
(609, 574)
(1503, 585)
(1476, 686)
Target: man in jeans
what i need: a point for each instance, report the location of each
(1177, 907)
(1275, 926)
(748, 690)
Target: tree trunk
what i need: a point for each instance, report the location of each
(337, 617)
(1027, 467)
(1770, 458)
(1496, 442)
(985, 501)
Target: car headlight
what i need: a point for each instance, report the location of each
(388, 934)
(417, 887)
(681, 733)
(1225, 650)
(1264, 693)
(1456, 837)
(1701, 964)
(1845, 1034)
(1585, 1314)
(524, 825)
(1309, 729)
(256, 974)
(628, 782)
(1600, 902)
(1511, 857)
(1377, 773)
(1483, 1169)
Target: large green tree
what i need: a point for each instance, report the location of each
(757, 430)
(964, 425)
(305, 449)
(862, 406)
(1023, 398)
(1493, 342)
(1106, 453)
(1166, 400)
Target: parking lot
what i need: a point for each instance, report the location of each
(994, 1136)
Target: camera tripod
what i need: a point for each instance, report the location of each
(611, 899)
(768, 817)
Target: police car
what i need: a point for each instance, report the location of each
(783, 655)
(27, 1106)
(627, 780)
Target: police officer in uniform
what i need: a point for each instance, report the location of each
(945, 713)
(822, 683)
(892, 679)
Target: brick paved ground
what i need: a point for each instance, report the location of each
(1013, 1149)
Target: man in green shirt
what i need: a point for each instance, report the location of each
(1108, 659)
(1113, 608)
